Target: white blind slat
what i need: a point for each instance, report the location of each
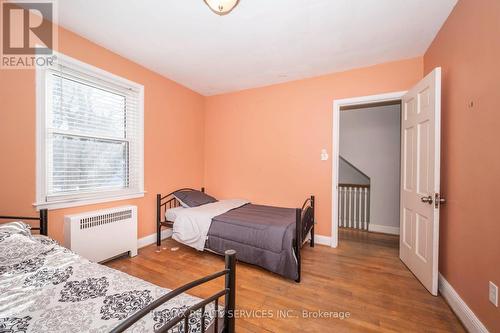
(93, 135)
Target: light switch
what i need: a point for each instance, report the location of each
(493, 294)
(324, 155)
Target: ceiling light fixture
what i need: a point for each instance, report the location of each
(221, 7)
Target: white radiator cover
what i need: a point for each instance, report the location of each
(102, 234)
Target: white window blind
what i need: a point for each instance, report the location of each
(93, 135)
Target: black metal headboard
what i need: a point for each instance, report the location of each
(162, 204)
(169, 201)
(43, 220)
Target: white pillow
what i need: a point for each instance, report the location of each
(171, 213)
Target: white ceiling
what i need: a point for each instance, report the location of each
(261, 42)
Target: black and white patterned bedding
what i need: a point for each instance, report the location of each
(47, 288)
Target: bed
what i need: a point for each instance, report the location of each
(266, 236)
(45, 287)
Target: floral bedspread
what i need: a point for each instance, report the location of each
(47, 288)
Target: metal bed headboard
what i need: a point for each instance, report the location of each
(43, 220)
(162, 204)
(172, 201)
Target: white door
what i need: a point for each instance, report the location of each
(420, 164)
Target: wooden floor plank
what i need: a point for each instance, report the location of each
(363, 276)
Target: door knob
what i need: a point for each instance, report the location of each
(427, 199)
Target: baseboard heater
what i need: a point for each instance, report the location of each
(103, 234)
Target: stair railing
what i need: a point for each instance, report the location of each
(354, 206)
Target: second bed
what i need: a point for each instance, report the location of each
(267, 236)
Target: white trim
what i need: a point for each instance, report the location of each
(383, 229)
(83, 202)
(78, 65)
(151, 239)
(461, 309)
(41, 181)
(337, 104)
(40, 130)
(323, 240)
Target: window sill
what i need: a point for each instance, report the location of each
(52, 205)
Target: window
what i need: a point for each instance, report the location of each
(90, 136)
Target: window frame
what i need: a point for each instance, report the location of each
(42, 104)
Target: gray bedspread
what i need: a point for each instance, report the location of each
(261, 235)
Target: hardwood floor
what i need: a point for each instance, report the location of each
(363, 276)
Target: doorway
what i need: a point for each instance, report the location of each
(355, 198)
(369, 169)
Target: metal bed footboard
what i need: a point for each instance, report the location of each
(229, 292)
(304, 223)
(43, 219)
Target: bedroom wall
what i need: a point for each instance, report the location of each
(264, 144)
(171, 111)
(468, 50)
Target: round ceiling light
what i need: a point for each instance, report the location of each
(221, 7)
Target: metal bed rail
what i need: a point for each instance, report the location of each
(229, 292)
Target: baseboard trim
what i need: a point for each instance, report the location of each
(323, 240)
(319, 239)
(383, 229)
(463, 312)
(151, 239)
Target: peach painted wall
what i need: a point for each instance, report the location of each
(468, 50)
(264, 144)
(170, 110)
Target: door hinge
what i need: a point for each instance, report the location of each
(438, 200)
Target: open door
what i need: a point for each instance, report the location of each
(420, 183)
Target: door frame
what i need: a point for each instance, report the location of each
(337, 104)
